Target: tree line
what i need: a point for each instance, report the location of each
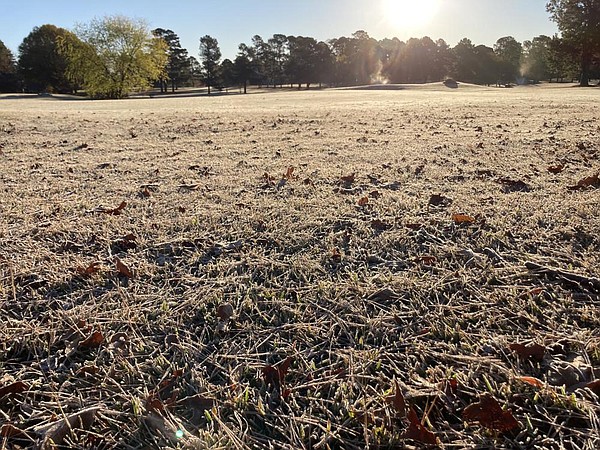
(113, 56)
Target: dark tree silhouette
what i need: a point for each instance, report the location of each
(579, 23)
(8, 69)
(177, 64)
(40, 65)
(210, 54)
(536, 59)
(279, 52)
(509, 53)
(243, 70)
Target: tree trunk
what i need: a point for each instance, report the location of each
(245, 87)
(586, 62)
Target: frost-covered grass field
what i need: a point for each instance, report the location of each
(318, 269)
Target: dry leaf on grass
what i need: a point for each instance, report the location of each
(17, 387)
(275, 375)
(122, 268)
(115, 211)
(94, 340)
(289, 174)
(348, 179)
(531, 351)
(380, 225)
(439, 200)
(363, 201)
(55, 433)
(225, 311)
(532, 381)
(594, 386)
(592, 181)
(198, 402)
(89, 270)
(490, 415)
(397, 401)
(9, 430)
(556, 169)
(462, 219)
(416, 431)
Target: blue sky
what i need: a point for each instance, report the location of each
(235, 21)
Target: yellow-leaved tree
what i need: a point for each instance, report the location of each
(113, 56)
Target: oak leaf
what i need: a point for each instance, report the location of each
(397, 401)
(416, 431)
(593, 180)
(490, 415)
(89, 270)
(94, 340)
(115, 211)
(275, 375)
(532, 351)
(556, 169)
(363, 201)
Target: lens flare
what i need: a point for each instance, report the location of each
(409, 14)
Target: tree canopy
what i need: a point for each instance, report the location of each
(8, 79)
(210, 55)
(113, 56)
(41, 66)
(178, 65)
(579, 23)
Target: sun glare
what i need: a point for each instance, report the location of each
(409, 14)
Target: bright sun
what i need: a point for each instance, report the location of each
(409, 14)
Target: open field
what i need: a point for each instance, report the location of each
(232, 302)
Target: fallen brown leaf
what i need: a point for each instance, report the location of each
(116, 211)
(94, 340)
(9, 430)
(88, 370)
(380, 225)
(462, 218)
(416, 431)
(289, 174)
(594, 386)
(556, 169)
(122, 268)
(532, 351)
(348, 179)
(89, 270)
(225, 311)
(427, 260)
(397, 401)
(535, 382)
(439, 200)
(275, 375)
(363, 201)
(490, 415)
(14, 388)
(593, 181)
(199, 402)
(55, 433)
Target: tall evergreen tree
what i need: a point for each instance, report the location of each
(210, 55)
(177, 63)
